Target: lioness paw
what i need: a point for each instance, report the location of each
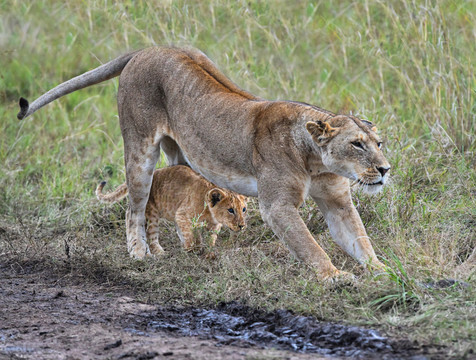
(337, 276)
(342, 277)
(377, 268)
(139, 250)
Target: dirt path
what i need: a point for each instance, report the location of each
(45, 318)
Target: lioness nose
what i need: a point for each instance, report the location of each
(383, 170)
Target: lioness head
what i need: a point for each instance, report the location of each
(350, 147)
(227, 208)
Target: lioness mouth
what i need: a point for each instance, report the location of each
(369, 184)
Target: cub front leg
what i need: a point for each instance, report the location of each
(215, 229)
(278, 207)
(332, 195)
(183, 224)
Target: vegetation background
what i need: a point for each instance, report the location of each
(408, 66)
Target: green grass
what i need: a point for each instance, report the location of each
(407, 66)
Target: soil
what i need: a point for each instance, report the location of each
(44, 316)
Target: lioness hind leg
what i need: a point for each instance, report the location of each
(139, 170)
(142, 118)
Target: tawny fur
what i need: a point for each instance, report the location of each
(177, 101)
(181, 195)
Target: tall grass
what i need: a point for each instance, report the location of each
(406, 65)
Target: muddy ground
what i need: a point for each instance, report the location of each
(43, 316)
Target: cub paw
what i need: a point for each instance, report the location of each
(211, 255)
(156, 249)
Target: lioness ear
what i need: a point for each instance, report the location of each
(370, 125)
(320, 131)
(214, 196)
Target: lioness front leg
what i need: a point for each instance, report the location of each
(279, 211)
(332, 195)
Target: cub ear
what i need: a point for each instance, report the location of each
(214, 196)
(320, 131)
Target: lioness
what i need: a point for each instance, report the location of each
(181, 195)
(280, 151)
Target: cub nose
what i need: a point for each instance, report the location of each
(383, 170)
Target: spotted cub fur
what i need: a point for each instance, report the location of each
(181, 195)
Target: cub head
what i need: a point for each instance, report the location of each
(350, 147)
(228, 208)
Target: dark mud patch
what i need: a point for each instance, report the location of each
(235, 324)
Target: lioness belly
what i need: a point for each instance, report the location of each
(226, 177)
(242, 184)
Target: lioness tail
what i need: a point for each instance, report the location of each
(102, 73)
(118, 194)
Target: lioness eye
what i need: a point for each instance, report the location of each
(244, 209)
(231, 211)
(379, 144)
(357, 144)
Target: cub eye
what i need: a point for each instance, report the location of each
(244, 209)
(358, 145)
(379, 144)
(231, 211)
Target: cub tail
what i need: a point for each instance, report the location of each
(118, 194)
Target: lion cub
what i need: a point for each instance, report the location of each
(181, 195)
